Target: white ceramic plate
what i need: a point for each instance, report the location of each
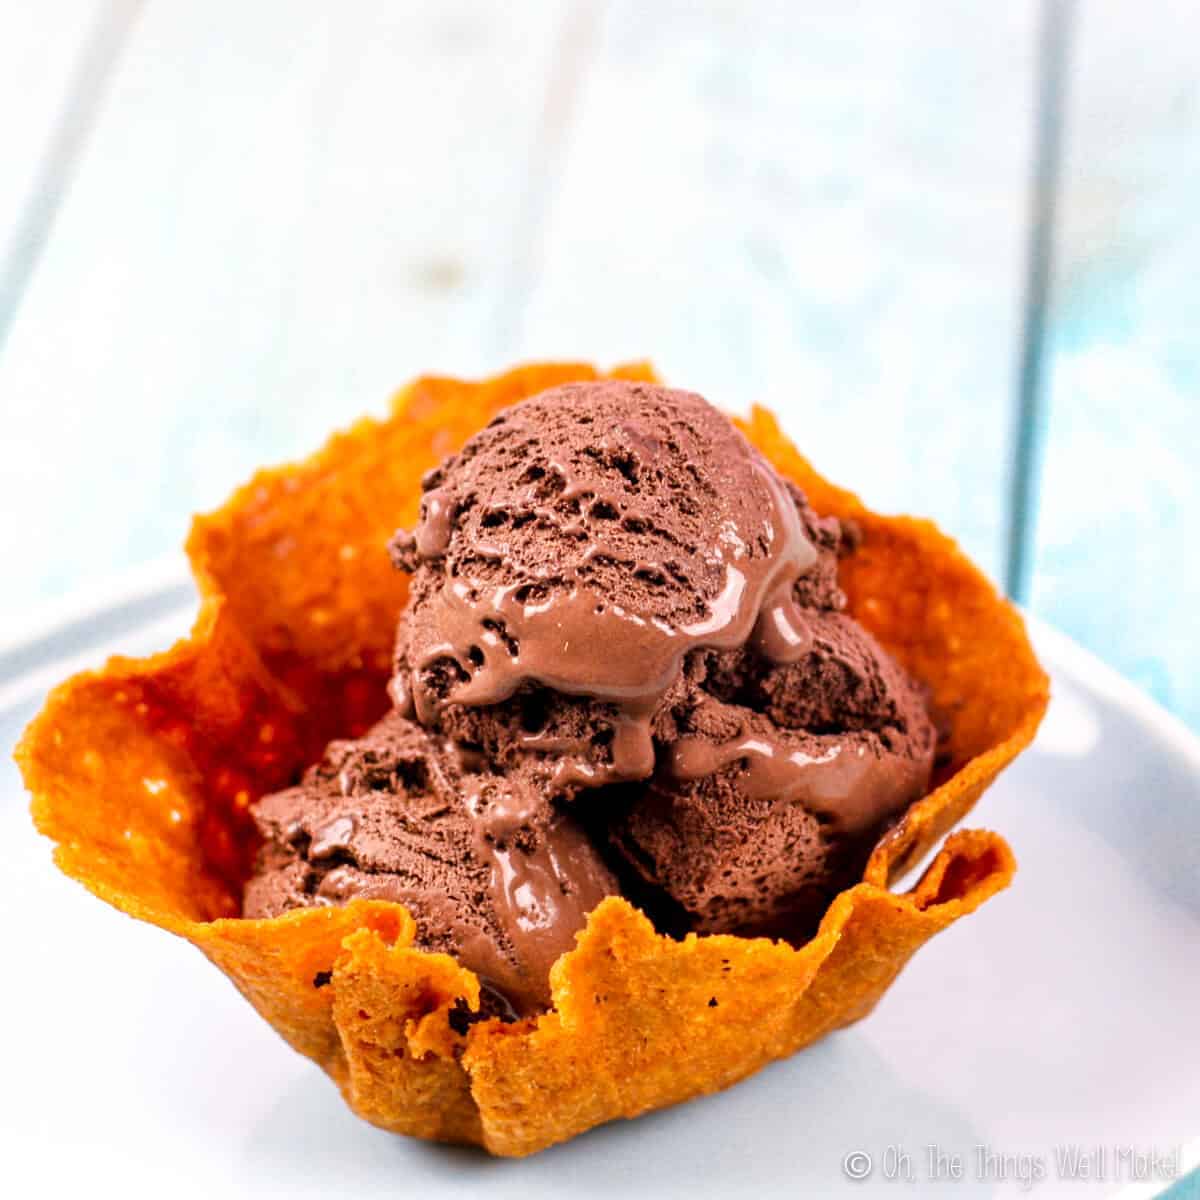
(1063, 1016)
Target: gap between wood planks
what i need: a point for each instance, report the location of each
(90, 78)
(1057, 27)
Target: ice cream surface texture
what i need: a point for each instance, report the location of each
(623, 669)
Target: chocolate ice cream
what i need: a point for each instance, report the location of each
(620, 620)
(489, 870)
(778, 783)
(569, 559)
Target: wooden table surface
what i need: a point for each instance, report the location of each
(953, 244)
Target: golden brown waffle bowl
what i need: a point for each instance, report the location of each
(143, 773)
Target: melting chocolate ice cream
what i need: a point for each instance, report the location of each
(623, 668)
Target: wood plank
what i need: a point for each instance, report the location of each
(43, 54)
(285, 209)
(1119, 518)
(823, 208)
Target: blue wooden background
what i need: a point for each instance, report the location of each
(953, 244)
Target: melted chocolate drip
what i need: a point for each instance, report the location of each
(843, 782)
(542, 890)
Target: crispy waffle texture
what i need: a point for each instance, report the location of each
(142, 773)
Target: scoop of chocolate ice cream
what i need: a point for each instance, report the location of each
(571, 556)
(778, 783)
(489, 870)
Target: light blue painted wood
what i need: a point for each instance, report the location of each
(822, 207)
(1119, 520)
(284, 210)
(43, 51)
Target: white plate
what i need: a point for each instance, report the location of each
(1063, 1016)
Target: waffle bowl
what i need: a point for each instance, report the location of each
(143, 774)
